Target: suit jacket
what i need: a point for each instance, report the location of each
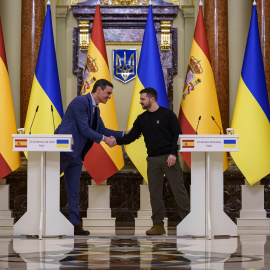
(78, 121)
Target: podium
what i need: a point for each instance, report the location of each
(43, 216)
(207, 217)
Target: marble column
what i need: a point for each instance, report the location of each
(33, 15)
(216, 26)
(239, 14)
(263, 10)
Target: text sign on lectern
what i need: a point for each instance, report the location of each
(208, 143)
(38, 142)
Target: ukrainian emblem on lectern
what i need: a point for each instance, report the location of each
(124, 64)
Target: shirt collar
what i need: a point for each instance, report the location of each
(93, 102)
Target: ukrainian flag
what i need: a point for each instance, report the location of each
(45, 103)
(229, 143)
(149, 74)
(251, 113)
(62, 143)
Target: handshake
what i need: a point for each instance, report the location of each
(110, 141)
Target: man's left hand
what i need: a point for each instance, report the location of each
(171, 160)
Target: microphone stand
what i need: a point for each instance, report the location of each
(198, 123)
(33, 119)
(216, 124)
(52, 116)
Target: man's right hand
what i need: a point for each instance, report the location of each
(110, 141)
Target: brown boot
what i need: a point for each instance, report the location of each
(156, 230)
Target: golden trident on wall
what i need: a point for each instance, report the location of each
(125, 70)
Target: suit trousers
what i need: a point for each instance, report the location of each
(157, 167)
(72, 168)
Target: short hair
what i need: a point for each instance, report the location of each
(150, 92)
(102, 83)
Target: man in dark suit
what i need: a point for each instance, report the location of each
(82, 120)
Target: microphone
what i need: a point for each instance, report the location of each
(216, 124)
(52, 116)
(33, 119)
(198, 123)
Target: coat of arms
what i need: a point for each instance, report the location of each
(124, 64)
(194, 68)
(90, 67)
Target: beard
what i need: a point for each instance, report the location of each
(146, 106)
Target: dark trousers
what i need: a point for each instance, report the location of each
(157, 167)
(72, 168)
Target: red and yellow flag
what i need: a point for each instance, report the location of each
(9, 161)
(199, 111)
(101, 161)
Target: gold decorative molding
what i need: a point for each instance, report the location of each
(188, 7)
(176, 2)
(61, 10)
(60, 6)
(165, 27)
(74, 2)
(125, 2)
(123, 43)
(84, 34)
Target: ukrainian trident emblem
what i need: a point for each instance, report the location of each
(124, 64)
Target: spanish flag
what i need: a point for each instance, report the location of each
(188, 144)
(199, 111)
(251, 115)
(45, 110)
(9, 161)
(101, 161)
(20, 143)
(149, 74)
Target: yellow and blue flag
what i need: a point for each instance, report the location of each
(229, 143)
(45, 110)
(149, 74)
(62, 143)
(251, 113)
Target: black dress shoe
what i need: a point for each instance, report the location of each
(78, 230)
